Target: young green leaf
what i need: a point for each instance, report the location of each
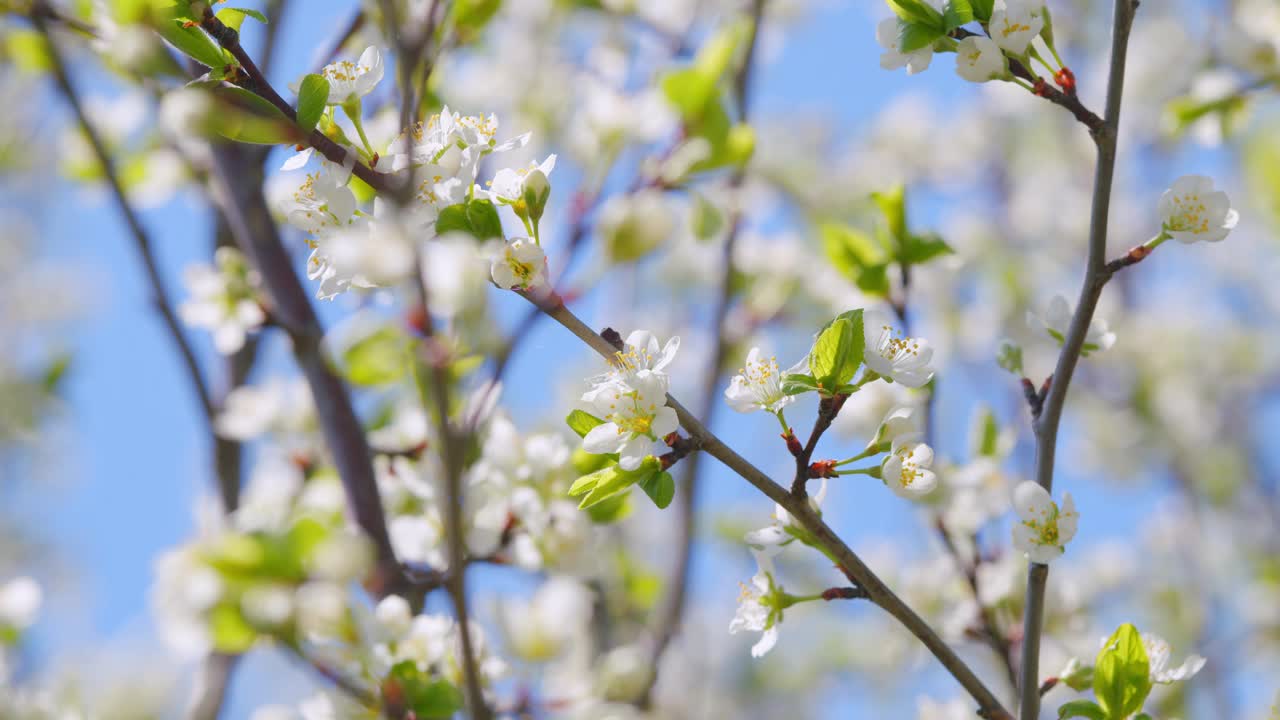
(234, 17)
(982, 9)
(380, 358)
(660, 488)
(920, 249)
(958, 12)
(582, 422)
(1081, 709)
(828, 352)
(192, 42)
(1122, 679)
(919, 12)
(313, 93)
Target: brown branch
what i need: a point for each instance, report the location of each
(1096, 276)
(850, 564)
(258, 84)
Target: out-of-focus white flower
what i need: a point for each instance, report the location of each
(634, 225)
(20, 600)
(625, 674)
(1042, 530)
(757, 386)
(770, 540)
(900, 421)
(906, 469)
(1158, 651)
(453, 270)
(636, 419)
(394, 617)
(223, 299)
(979, 59)
(350, 81)
(759, 607)
(1057, 319)
(892, 58)
(898, 358)
(509, 185)
(541, 628)
(1014, 26)
(283, 406)
(521, 264)
(1192, 210)
(321, 203)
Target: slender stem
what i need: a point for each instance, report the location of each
(672, 607)
(873, 471)
(850, 564)
(1096, 276)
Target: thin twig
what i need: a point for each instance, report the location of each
(258, 84)
(850, 564)
(1095, 278)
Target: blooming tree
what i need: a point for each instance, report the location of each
(404, 224)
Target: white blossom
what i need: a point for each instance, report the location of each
(906, 469)
(636, 419)
(757, 386)
(1014, 26)
(979, 59)
(521, 264)
(896, 357)
(350, 81)
(892, 58)
(1158, 651)
(20, 600)
(1043, 529)
(758, 607)
(223, 300)
(1192, 210)
(1057, 319)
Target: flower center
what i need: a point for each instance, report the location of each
(344, 71)
(910, 470)
(633, 417)
(1189, 214)
(896, 349)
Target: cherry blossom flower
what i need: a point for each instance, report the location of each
(521, 264)
(1043, 529)
(636, 419)
(906, 469)
(1014, 26)
(349, 81)
(979, 59)
(223, 300)
(895, 357)
(757, 386)
(1192, 210)
(759, 607)
(1158, 651)
(916, 61)
(1057, 318)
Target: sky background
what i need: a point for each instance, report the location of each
(132, 457)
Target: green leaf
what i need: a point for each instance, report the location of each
(958, 12)
(690, 91)
(919, 12)
(380, 358)
(914, 36)
(477, 218)
(1081, 709)
(982, 9)
(424, 696)
(830, 347)
(660, 488)
(795, 383)
(605, 483)
(234, 17)
(857, 256)
(470, 16)
(313, 94)
(1121, 680)
(612, 510)
(920, 249)
(192, 42)
(893, 205)
(707, 218)
(245, 117)
(987, 437)
(582, 422)
(28, 50)
(229, 631)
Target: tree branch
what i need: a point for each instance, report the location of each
(850, 564)
(1096, 276)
